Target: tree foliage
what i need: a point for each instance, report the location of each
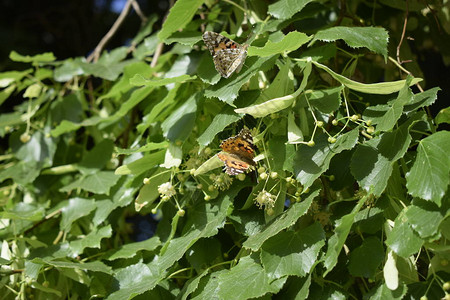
(349, 198)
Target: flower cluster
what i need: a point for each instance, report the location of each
(266, 199)
(222, 181)
(166, 190)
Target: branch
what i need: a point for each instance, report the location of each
(403, 36)
(139, 12)
(160, 46)
(97, 51)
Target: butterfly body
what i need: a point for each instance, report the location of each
(228, 56)
(238, 153)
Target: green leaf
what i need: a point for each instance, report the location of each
(390, 271)
(137, 96)
(383, 292)
(44, 57)
(108, 71)
(221, 120)
(131, 280)
(5, 93)
(206, 70)
(7, 78)
(311, 162)
(443, 116)
(284, 9)
(212, 163)
(402, 239)
(173, 157)
(131, 250)
(140, 80)
(283, 221)
(297, 288)
(191, 285)
(39, 149)
(38, 286)
(22, 173)
(292, 253)
(95, 266)
(178, 125)
(91, 240)
(423, 99)
(98, 183)
(189, 38)
(382, 88)
(123, 85)
(246, 280)
(371, 169)
(227, 89)
(204, 220)
(292, 41)
(295, 134)
(277, 104)
(33, 91)
(68, 126)
(365, 259)
(97, 158)
(425, 218)
(23, 211)
(203, 253)
(385, 116)
(179, 16)
(74, 209)
(141, 165)
(161, 109)
(373, 38)
(147, 147)
(369, 220)
(149, 192)
(282, 84)
(147, 47)
(429, 176)
(327, 100)
(69, 69)
(337, 240)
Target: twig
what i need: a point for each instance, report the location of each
(404, 70)
(138, 11)
(403, 35)
(160, 46)
(158, 52)
(97, 51)
(48, 217)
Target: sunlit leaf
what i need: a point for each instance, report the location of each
(292, 253)
(382, 88)
(292, 41)
(285, 220)
(179, 16)
(373, 38)
(429, 176)
(285, 9)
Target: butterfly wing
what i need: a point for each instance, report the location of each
(228, 60)
(228, 56)
(232, 164)
(241, 145)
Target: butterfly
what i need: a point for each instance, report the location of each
(228, 56)
(238, 153)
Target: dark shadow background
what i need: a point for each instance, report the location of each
(68, 28)
(72, 28)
